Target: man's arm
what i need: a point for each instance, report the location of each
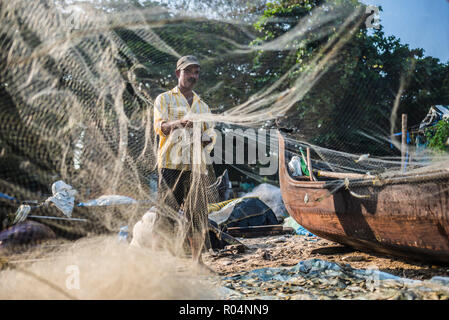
(209, 137)
(162, 125)
(160, 114)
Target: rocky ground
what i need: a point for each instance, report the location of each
(288, 250)
(294, 267)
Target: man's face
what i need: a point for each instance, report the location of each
(188, 77)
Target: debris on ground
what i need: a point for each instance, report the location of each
(319, 279)
(274, 267)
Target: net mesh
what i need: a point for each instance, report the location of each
(78, 85)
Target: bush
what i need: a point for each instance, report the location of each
(437, 136)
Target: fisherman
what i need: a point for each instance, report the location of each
(174, 115)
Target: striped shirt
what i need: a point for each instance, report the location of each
(175, 150)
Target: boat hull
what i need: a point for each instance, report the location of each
(401, 219)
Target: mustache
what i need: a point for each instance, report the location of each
(192, 80)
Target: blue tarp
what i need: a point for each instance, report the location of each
(5, 196)
(318, 279)
(300, 230)
(408, 142)
(319, 267)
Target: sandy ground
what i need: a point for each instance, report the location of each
(228, 265)
(288, 250)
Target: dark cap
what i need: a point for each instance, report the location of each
(186, 61)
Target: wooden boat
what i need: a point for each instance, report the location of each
(404, 215)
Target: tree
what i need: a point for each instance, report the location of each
(356, 94)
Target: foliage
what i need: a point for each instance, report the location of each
(438, 136)
(350, 107)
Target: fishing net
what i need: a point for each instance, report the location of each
(79, 81)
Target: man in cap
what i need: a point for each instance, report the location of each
(174, 112)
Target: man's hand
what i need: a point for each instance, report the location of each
(185, 124)
(205, 141)
(169, 126)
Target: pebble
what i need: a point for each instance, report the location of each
(354, 258)
(226, 262)
(266, 255)
(279, 240)
(236, 248)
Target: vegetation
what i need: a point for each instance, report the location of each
(349, 108)
(356, 95)
(438, 136)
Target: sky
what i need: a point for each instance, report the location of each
(418, 23)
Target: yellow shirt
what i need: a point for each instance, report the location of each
(175, 150)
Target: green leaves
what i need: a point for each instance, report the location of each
(356, 94)
(437, 137)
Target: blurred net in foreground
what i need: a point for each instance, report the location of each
(78, 82)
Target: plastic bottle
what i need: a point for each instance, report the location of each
(123, 234)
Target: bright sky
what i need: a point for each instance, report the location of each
(418, 23)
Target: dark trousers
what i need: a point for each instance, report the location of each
(173, 187)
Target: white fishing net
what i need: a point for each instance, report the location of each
(78, 84)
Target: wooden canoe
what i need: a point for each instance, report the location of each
(405, 215)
